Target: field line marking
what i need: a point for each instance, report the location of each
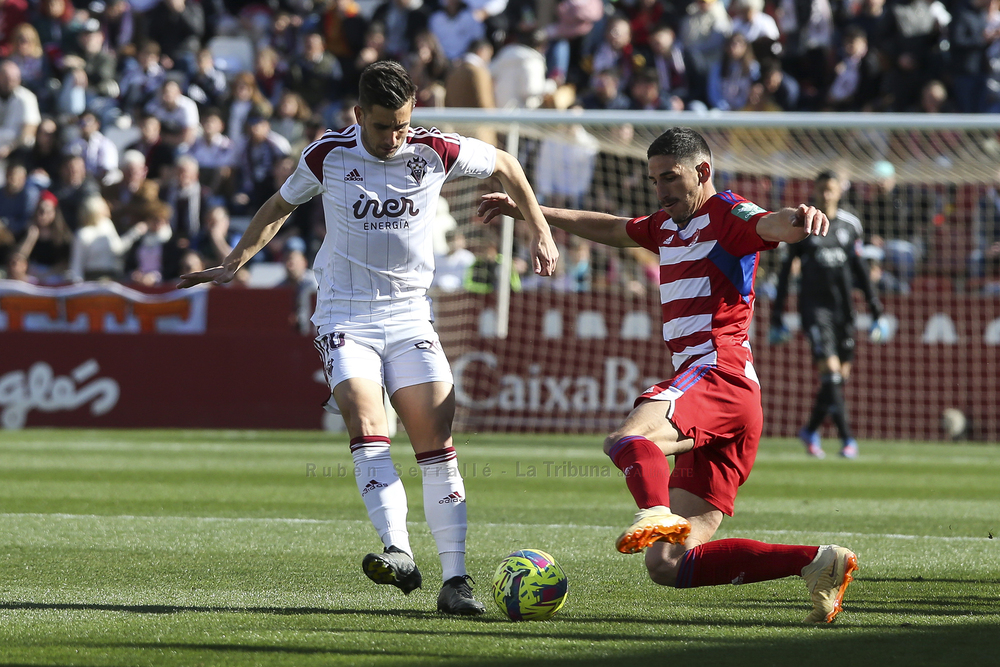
(555, 526)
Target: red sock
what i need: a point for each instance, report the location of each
(647, 472)
(737, 561)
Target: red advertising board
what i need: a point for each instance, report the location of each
(106, 356)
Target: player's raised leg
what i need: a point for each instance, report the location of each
(360, 402)
(639, 448)
(827, 570)
(427, 411)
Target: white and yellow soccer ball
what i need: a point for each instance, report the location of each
(529, 586)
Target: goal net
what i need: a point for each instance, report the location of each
(571, 352)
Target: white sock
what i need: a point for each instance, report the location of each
(444, 508)
(381, 490)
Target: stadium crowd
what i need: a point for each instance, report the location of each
(133, 131)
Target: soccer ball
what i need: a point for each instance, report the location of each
(529, 586)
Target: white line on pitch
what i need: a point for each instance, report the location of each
(554, 526)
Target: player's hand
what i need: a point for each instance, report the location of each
(217, 275)
(812, 220)
(879, 332)
(778, 335)
(496, 204)
(545, 254)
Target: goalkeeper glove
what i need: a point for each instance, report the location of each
(879, 332)
(778, 334)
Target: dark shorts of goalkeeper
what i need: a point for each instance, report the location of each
(721, 412)
(830, 335)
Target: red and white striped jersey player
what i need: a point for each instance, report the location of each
(380, 181)
(708, 415)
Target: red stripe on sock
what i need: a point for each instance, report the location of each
(363, 440)
(647, 472)
(737, 561)
(437, 456)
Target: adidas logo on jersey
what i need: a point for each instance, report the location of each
(453, 497)
(371, 486)
(354, 176)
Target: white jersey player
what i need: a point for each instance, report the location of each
(380, 181)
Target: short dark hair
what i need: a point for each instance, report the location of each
(825, 175)
(681, 143)
(387, 84)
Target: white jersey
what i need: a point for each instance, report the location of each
(377, 260)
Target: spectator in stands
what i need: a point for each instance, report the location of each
(19, 114)
(122, 194)
(403, 21)
(119, 24)
(913, 49)
(428, 67)
(99, 63)
(470, 84)
(644, 92)
(100, 155)
(7, 242)
(262, 149)
(750, 21)
(157, 152)
(98, 251)
(316, 75)
(290, 118)
(985, 257)
(575, 19)
(73, 187)
(270, 72)
(177, 113)
(45, 156)
(344, 27)
(606, 93)
(178, 26)
(483, 275)
(969, 40)
(456, 27)
(519, 72)
(27, 54)
(141, 79)
(207, 86)
(15, 13)
(616, 52)
(644, 16)
(52, 19)
(875, 21)
(579, 277)
(897, 220)
(156, 256)
(245, 99)
(17, 269)
(857, 78)
(18, 199)
(703, 33)
(187, 197)
(730, 79)
(215, 152)
(666, 58)
(782, 88)
(451, 268)
(372, 50)
(808, 52)
(48, 241)
(216, 239)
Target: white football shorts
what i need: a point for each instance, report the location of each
(393, 354)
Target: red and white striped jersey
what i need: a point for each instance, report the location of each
(377, 259)
(707, 271)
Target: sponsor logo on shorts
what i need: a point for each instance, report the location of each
(452, 498)
(424, 345)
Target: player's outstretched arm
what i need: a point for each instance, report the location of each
(543, 249)
(791, 225)
(265, 224)
(599, 227)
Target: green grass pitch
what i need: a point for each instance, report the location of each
(219, 548)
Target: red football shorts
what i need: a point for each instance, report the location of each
(721, 412)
